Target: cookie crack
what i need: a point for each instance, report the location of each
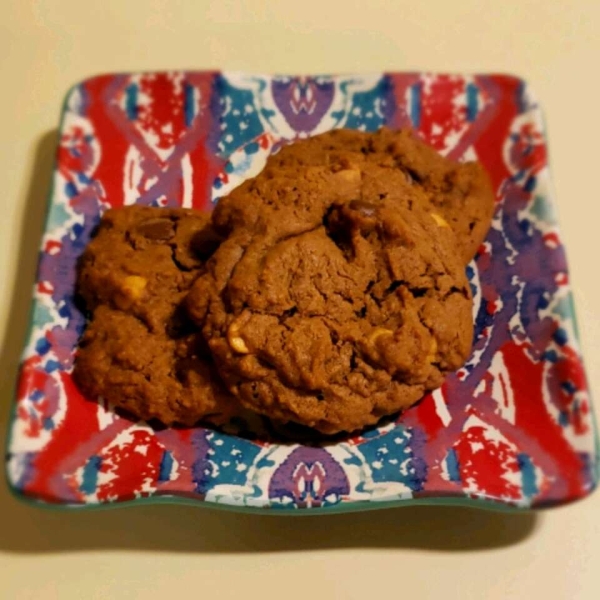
(290, 236)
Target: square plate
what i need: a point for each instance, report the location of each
(513, 428)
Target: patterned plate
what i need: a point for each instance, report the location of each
(513, 428)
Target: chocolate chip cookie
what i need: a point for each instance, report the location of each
(143, 259)
(140, 351)
(338, 296)
(460, 192)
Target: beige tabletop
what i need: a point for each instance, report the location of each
(175, 552)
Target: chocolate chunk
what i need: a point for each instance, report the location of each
(158, 229)
(205, 242)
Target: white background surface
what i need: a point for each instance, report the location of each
(171, 552)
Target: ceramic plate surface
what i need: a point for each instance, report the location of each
(513, 428)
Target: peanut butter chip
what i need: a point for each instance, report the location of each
(238, 345)
(378, 332)
(236, 342)
(158, 229)
(349, 175)
(134, 286)
(431, 356)
(439, 220)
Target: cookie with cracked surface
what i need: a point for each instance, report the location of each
(460, 192)
(140, 351)
(148, 374)
(335, 300)
(141, 258)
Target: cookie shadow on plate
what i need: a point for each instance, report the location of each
(254, 427)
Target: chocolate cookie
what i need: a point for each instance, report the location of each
(143, 259)
(461, 193)
(140, 351)
(336, 299)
